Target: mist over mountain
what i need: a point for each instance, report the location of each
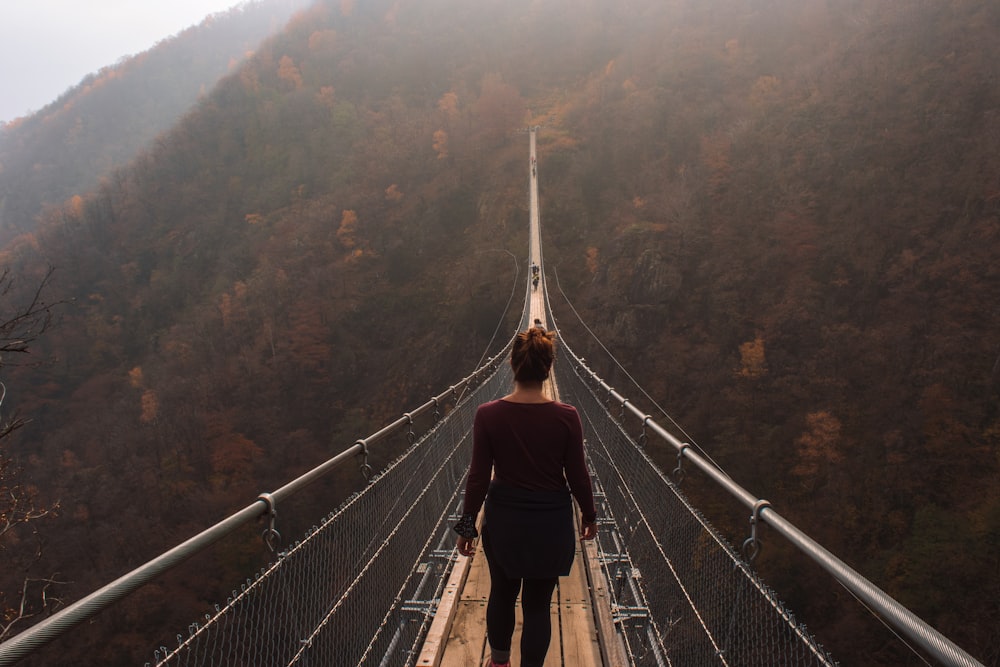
(782, 217)
(64, 149)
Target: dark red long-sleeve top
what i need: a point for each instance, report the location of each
(535, 446)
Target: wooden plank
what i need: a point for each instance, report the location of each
(477, 585)
(467, 640)
(612, 650)
(575, 587)
(432, 651)
(436, 640)
(579, 635)
(554, 657)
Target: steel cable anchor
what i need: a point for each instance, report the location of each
(270, 535)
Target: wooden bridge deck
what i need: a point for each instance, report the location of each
(583, 633)
(458, 635)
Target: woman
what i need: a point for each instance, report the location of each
(534, 446)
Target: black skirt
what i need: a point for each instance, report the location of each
(529, 534)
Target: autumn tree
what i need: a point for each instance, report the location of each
(441, 144)
(288, 71)
(753, 363)
(347, 231)
(22, 596)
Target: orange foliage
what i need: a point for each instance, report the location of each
(232, 453)
(322, 41)
(288, 71)
(150, 406)
(74, 207)
(753, 363)
(441, 144)
(819, 444)
(325, 96)
(592, 259)
(347, 230)
(764, 90)
(392, 193)
(135, 377)
(449, 105)
(715, 149)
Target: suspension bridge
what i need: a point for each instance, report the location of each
(378, 582)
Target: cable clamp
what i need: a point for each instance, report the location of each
(270, 535)
(678, 472)
(643, 437)
(410, 435)
(366, 470)
(751, 546)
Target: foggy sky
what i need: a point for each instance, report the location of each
(49, 46)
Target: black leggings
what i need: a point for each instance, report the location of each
(536, 596)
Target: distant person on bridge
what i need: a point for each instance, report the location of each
(534, 447)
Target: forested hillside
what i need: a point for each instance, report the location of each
(100, 124)
(782, 217)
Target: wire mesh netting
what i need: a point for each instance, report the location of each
(361, 588)
(681, 593)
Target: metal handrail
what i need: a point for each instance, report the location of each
(44, 632)
(894, 613)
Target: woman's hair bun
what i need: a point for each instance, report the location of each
(533, 353)
(539, 332)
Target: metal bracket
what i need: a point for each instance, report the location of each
(366, 470)
(270, 535)
(678, 472)
(410, 435)
(643, 437)
(751, 546)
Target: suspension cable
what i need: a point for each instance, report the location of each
(503, 315)
(680, 428)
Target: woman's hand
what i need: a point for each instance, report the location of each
(466, 546)
(588, 531)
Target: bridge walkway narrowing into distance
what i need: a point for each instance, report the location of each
(580, 605)
(377, 582)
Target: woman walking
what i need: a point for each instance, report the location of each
(534, 446)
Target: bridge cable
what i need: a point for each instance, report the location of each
(881, 620)
(503, 315)
(629, 376)
(706, 455)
